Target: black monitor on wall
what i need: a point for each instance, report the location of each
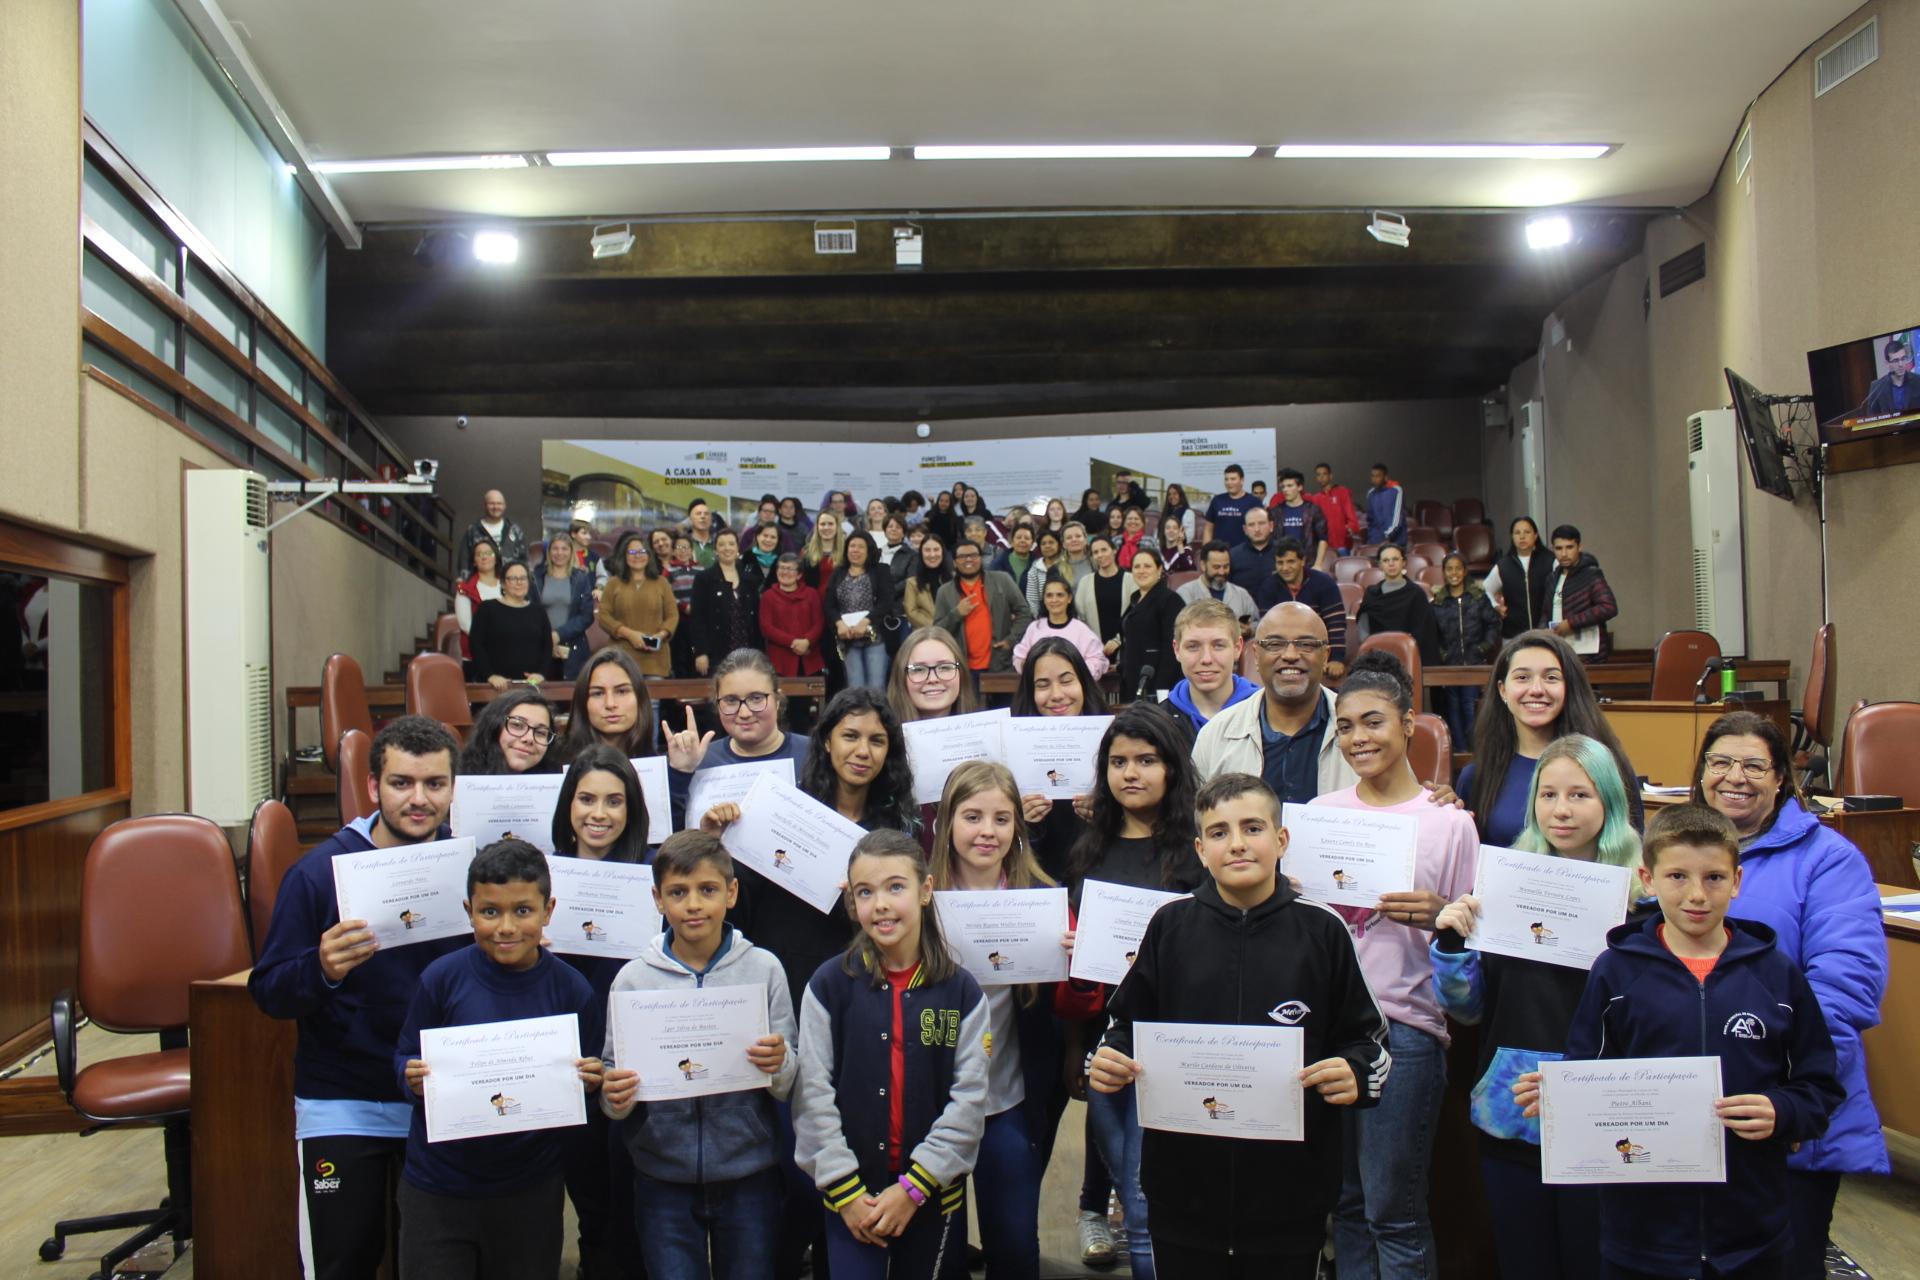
(1766, 447)
(1867, 387)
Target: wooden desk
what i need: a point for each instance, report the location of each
(1889, 838)
(1894, 1046)
(1663, 739)
(245, 1206)
(1616, 674)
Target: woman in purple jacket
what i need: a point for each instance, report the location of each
(1815, 890)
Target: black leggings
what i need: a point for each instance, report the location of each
(347, 1188)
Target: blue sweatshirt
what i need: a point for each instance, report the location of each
(1181, 700)
(347, 1031)
(460, 990)
(1387, 514)
(1756, 1013)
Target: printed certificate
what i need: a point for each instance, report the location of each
(415, 893)
(1006, 936)
(487, 808)
(602, 908)
(1631, 1120)
(1224, 1081)
(502, 1077)
(1113, 919)
(1349, 856)
(938, 747)
(1555, 910)
(1053, 756)
(793, 840)
(730, 783)
(653, 789)
(688, 1043)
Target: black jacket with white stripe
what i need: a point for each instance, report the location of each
(1288, 962)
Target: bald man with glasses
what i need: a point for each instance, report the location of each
(1286, 734)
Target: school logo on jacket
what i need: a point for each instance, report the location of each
(1745, 1026)
(326, 1179)
(1289, 1013)
(940, 1027)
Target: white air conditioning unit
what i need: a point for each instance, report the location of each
(1713, 500)
(229, 653)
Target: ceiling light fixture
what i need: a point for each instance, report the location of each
(611, 239)
(743, 155)
(909, 246)
(1440, 151)
(420, 164)
(1390, 228)
(1118, 151)
(1549, 231)
(497, 247)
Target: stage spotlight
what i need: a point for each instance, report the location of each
(1549, 231)
(497, 247)
(1389, 228)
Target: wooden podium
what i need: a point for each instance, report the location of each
(1663, 738)
(246, 1211)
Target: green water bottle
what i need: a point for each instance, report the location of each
(1728, 676)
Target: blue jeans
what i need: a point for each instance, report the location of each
(686, 1223)
(933, 1247)
(1544, 1233)
(1380, 1225)
(1006, 1186)
(1116, 1130)
(867, 665)
(1458, 705)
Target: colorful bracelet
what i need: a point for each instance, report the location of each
(919, 1196)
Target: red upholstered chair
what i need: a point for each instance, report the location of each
(1679, 660)
(273, 845)
(1468, 511)
(1350, 593)
(1175, 581)
(1422, 533)
(1367, 551)
(1430, 576)
(1431, 751)
(356, 765)
(1880, 752)
(437, 687)
(446, 636)
(1402, 646)
(1474, 542)
(597, 638)
(343, 702)
(144, 878)
(1348, 568)
(1367, 577)
(1415, 563)
(1434, 553)
(1813, 722)
(1441, 520)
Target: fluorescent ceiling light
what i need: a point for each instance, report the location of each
(747, 155)
(1549, 232)
(1443, 151)
(420, 164)
(1121, 151)
(496, 246)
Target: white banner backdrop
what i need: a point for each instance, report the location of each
(645, 482)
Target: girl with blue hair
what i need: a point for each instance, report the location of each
(1580, 810)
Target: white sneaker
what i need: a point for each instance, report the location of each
(1096, 1240)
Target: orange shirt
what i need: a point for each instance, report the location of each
(978, 625)
(1698, 966)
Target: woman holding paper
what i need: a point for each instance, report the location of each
(1524, 1008)
(980, 844)
(601, 815)
(514, 734)
(1537, 691)
(1380, 1225)
(858, 602)
(1813, 888)
(747, 701)
(1141, 834)
(1055, 681)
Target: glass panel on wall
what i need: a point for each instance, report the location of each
(120, 218)
(275, 361)
(123, 373)
(106, 293)
(234, 446)
(56, 687)
(220, 380)
(210, 301)
(277, 425)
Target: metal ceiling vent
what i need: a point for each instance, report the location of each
(1859, 50)
(1683, 269)
(835, 237)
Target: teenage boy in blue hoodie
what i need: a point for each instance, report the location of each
(1207, 643)
(1386, 509)
(1691, 983)
(350, 997)
(493, 1205)
(708, 1185)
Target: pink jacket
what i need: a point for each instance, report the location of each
(1076, 633)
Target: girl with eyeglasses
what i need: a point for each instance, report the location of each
(511, 639)
(748, 704)
(930, 678)
(1814, 889)
(514, 734)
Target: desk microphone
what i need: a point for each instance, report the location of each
(1146, 682)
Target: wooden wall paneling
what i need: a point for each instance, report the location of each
(40, 869)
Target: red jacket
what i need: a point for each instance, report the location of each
(786, 616)
(1337, 504)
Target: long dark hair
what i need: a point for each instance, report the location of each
(890, 795)
(1094, 704)
(1168, 507)
(624, 571)
(632, 844)
(1496, 741)
(876, 571)
(482, 754)
(937, 962)
(1174, 827)
(580, 731)
(1747, 724)
(931, 580)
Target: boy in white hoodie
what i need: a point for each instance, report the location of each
(707, 1180)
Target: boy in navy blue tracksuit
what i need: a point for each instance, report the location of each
(1692, 983)
(487, 1207)
(350, 997)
